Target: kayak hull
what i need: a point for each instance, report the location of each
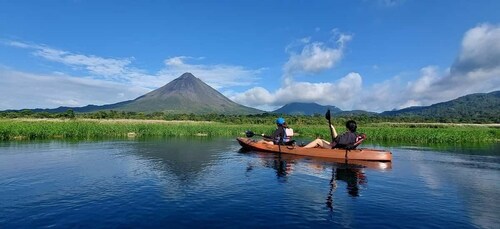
(355, 154)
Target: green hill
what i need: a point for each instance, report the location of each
(480, 107)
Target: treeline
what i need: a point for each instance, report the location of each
(265, 118)
(454, 116)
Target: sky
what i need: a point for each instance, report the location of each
(373, 55)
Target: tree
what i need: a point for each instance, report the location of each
(69, 114)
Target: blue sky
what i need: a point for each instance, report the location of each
(373, 55)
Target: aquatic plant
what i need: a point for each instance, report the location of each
(12, 129)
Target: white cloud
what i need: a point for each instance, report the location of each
(312, 58)
(316, 56)
(26, 90)
(218, 76)
(177, 61)
(106, 74)
(67, 102)
(342, 93)
(476, 70)
(104, 67)
(256, 96)
(480, 50)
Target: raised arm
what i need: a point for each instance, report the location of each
(334, 131)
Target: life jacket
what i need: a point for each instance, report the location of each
(288, 134)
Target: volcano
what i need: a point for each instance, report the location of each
(186, 94)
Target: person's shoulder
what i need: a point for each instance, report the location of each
(347, 133)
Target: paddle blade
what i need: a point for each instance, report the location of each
(327, 115)
(249, 133)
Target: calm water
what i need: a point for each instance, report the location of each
(210, 183)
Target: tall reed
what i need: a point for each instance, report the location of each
(11, 129)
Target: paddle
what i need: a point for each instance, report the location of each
(279, 145)
(333, 187)
(328, 117)
(250, 134)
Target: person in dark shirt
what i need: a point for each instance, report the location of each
(347, 140)
(280, 135)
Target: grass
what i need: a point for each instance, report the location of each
(30, 129)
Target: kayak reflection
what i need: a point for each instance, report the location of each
(282, 165)
(334, 170)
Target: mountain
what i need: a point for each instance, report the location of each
(184, 95)
(305, 109)
(480, 107)
(473, 107)
(88, 108)
(357, 112)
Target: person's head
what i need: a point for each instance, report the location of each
(280, 121)
(351, 125)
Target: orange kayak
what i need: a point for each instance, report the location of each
(355, 154)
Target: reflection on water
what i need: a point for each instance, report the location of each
(350, 172)
(195, 182)
(469, 148)
(186, 159)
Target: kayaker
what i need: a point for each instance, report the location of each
(280, 134)
(347, 140)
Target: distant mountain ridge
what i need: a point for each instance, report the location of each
(473, 106)
(305, 109)
(469, 108)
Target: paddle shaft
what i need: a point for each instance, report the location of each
(330, 124)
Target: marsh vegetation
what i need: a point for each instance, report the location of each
(30, 129)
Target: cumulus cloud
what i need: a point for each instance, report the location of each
(316, 56)
(480, 50)
(476, 70)
(312, 57)
(342, 93)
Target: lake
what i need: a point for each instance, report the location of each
(211, 183)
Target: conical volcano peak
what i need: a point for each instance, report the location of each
(187, 75)
(187, 94)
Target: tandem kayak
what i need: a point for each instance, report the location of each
(355, 154)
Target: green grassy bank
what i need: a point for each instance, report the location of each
(30, 129)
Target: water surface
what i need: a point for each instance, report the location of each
(203, 182)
